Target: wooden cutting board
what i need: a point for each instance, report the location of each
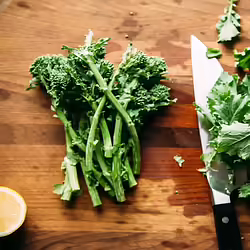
(32, 143)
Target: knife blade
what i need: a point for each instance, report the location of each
(205, 74)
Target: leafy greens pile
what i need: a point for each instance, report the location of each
(229, 25)
(228, 119)
(102, 108)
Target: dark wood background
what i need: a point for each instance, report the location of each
(32, 142)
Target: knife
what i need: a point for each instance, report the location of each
(205, 74)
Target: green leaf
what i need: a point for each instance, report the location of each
(229, 25)
(228, 31)
(224, 101)
(179, 160)
(243, 59)
(244, 87)
(213, 53)
(206, 118)
(232, 109)
(224, 87)
(247, 117)
(234, 139)
(245, 191)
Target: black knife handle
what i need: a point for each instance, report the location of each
(227, 229)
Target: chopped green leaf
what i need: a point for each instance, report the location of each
(179, 160)
(245, 191)
(229, 25)
(247, 117)
(243, 59)
(213, 53)
(244, 87)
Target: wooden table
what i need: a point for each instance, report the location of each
(32, 142)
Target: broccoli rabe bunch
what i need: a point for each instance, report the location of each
(101, 109)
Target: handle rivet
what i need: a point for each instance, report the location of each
(225, 220)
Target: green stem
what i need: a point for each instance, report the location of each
(230, 8)
(71, 168)
(131, 178)
(70, 130)
(90, 148)
(116, 164)
(107, 142)
(116, 177)
(91, 137)
(111, 83)
(118, 127)
(122, 111)
(116, 142)
(67, 192)
(103, 182)
(105, 134)
(73, 177)
(102, 163)
(91, 188)
(82, 146)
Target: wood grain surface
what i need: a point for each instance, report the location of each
(32, 143)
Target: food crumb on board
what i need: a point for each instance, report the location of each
(126, 36)
(176, 192)
(179, 160)
(131, 13)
